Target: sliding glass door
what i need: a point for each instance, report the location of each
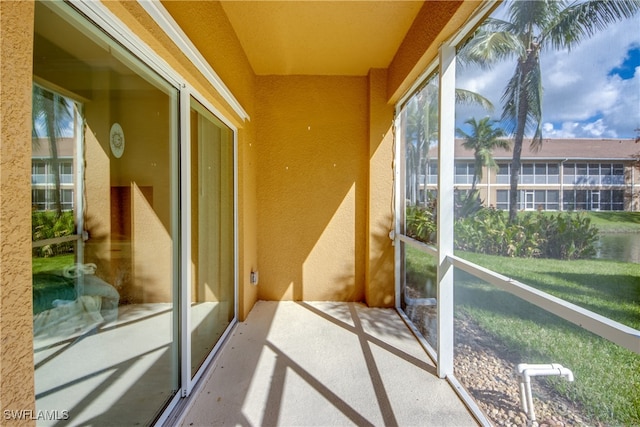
(123, 322)
(212, 303)
(105, 229)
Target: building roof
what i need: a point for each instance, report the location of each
(41, 148)
(569, 149)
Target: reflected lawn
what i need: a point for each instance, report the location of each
(54, 263)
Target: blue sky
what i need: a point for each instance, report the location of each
(591, 92)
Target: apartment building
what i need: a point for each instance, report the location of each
(564, 174)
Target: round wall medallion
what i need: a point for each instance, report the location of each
(117, 140)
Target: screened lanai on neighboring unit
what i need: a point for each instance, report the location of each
(564, 174)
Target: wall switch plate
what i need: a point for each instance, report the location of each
(253, 278)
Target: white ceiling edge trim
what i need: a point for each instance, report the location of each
(164, 19)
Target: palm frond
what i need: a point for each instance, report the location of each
(583, 20)
(509, 100)
(529, 17)
(488, 47)
(467, 97)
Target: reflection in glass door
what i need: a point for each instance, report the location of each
(105, 215)
(212, 307)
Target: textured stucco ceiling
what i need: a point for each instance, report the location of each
(320, 37)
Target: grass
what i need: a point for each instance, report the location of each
(609, 288)
(54, 263)
(609, 221)
(607, 384)
(616, 222)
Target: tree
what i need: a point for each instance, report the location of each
(532, 27)
(421, 132)
(50, 113)
(483, 139)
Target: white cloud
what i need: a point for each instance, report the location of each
(597, 129)
(567, 130)
(580, 98)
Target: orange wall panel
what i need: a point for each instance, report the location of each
(312, 187)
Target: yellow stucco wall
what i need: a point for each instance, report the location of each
(380, 253)
(312, 187)
(16, 325)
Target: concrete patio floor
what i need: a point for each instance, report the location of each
(323, 363)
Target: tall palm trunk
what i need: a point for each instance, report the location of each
(524, 69)
(55, 161)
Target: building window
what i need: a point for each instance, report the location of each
(594, 174)
(212, 219)
(105, 271)
(432, 174)
(114, 219)
(593, 200)
(502, 199)
(465, 172)
(504, 172)
(539, 173)
(44, 182)
(548, 200)
(527, 174)
(66, 172)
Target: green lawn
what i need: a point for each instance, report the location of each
(610, 222)
(54, 263)
(607, 221)
(609, 288)
(607, 384)
(607, 381)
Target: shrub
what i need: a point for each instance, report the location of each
(561, 236)
(567, 236)
(466, 204)
(420, 224)
(48, 225)
(489, 232)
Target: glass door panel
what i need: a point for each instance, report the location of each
(529, 201)
(105, 307)
(418, 126)
(595, 200)
(212, 307)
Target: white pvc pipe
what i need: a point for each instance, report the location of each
(526, 371)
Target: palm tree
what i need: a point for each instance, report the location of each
(533, 26)
(50, 113)
(421, 131)
(483, 139)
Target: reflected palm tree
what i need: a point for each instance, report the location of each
(421, 133)
(483, 139)
(50, 118)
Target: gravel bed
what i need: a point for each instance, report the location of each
(489, 375)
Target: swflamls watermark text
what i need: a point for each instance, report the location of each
(28, 414)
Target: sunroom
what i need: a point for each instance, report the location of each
(190, 161)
